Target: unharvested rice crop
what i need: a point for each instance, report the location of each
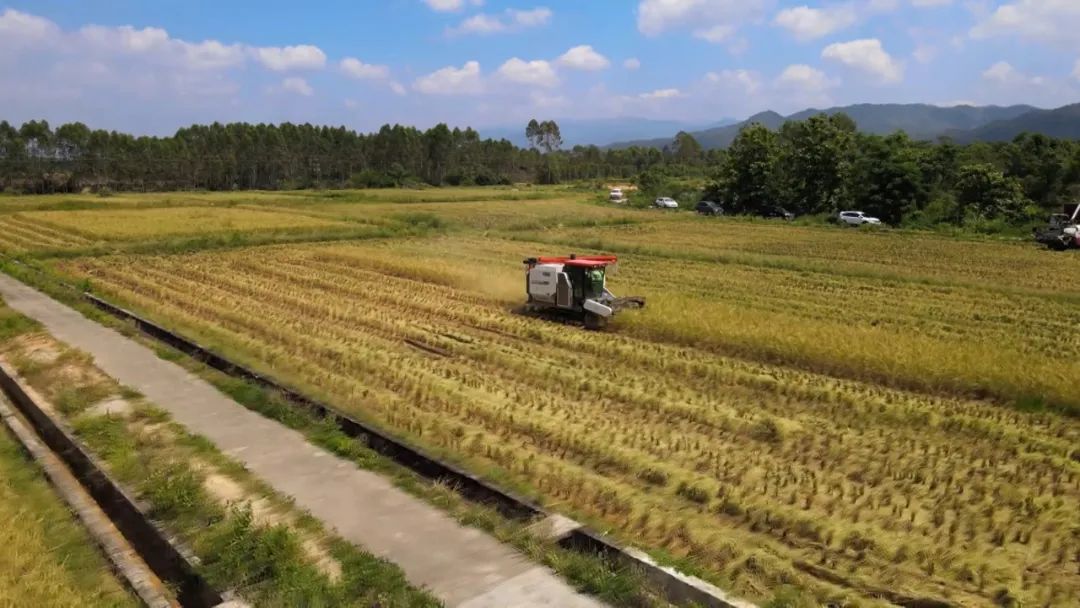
(134, 224)
(21, 235)
(543, 214)
(47, 559)
(743, 421)
(994, 265)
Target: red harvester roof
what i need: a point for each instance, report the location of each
(585, 261)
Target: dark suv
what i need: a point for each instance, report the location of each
(778, 213)
(709, 208)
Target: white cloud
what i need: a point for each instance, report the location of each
(465, 80)
(924, 53)
(715, 34)
(702, 16)
(930, 3)
(867, 56)
(804, 78)
(398, 88)
(297, 85)
(1076, 70)
(354, 68)
(633, 63)
(511, 20)
(583, 57)
(660, 94)
(1048, 21)
(811, 23)
(17, 28)
(742, 81)
(283, 59)
(534, 73)
(1003, 73)
(447, 6)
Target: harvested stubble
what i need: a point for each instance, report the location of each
(758, 472)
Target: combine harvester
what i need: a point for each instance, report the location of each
(574, 288)
(1062, 231)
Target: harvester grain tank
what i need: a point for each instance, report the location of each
(574, 287)
(1062, 231)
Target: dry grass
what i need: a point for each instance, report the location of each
(762, 474)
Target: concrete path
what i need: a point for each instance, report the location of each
(461, 566)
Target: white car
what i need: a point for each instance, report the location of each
(665, 202)
(616, 195)
(857, 218)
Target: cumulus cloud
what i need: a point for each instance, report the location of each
(804, 78)
(583, 57)
(447, 6)
(1003, 73)
(660, 94)
(743, 81)
(708, 19)
(23, 29)
(294, 84)
(632, 63)
(354, 68)
(1049, 21)
(284, 59)
(450, 80)
(534, 73)
(511, 20)
(811, 23)
(867, 56)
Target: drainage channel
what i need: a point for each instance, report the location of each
(677, 588)
(147, 558)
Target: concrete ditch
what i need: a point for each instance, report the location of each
(169, 561)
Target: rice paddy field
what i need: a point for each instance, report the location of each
(855, 415)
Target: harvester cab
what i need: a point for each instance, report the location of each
(1062, 231)
(575, 287)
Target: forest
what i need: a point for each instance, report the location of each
(812, 167)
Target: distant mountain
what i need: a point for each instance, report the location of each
(920, 121)
(1062, 123)
(603, 131)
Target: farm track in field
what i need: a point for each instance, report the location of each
(749, 467)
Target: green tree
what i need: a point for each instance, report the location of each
(684, 149)
(814, 156)
(886, 180)
(984, 192)
(744, 183)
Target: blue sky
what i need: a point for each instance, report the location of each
(150, 67)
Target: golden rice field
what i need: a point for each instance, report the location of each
(773, 422)
(484, 215)
(128, 224)
(47, 557)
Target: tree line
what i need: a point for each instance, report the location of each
(823, 165)
(817, 166)
(35, 158)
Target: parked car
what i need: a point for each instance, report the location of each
(616, 195)
(709, 208)
(666, 202)
(857, 218)
(778, 213)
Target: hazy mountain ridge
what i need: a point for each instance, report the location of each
(920, 121)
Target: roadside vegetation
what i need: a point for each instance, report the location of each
(248, 539)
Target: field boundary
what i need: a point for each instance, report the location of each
(678, 588)
(170, 561)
